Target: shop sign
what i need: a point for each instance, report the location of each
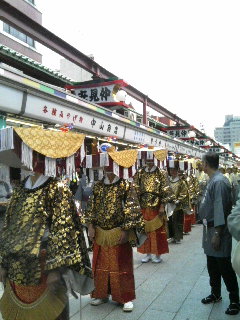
(178, 133)
(43, 109)
(99, 93)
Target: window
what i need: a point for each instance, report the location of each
(19, 35)
(31, 1)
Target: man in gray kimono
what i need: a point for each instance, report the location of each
(215, 207)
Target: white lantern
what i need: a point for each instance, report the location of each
(121, 96)
(191, 134)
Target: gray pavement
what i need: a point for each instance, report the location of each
(166, 291)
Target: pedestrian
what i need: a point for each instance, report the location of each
(234, 228)
(81, 196)
(215, 207)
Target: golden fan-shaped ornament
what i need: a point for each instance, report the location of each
(161, 154)
(125, 158)
(52, 144)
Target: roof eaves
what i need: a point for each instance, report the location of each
(23, 59)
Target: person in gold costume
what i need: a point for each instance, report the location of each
(187, 218)
(112, 216)
(180, 190)
(153, 193)
(42, 248)
(194, 191)
(41, 238)
(202, 178)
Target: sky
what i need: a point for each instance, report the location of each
(184, 54)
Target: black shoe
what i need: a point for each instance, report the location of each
(211, 299)
(233, 309)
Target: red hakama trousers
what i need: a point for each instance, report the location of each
(187, 223)
(156, 242)
(193, 216)
(113, 273)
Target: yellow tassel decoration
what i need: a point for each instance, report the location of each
(153, 224)
(110, 238)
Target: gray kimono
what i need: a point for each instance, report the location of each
(83, 192)
(216, 205)
(234, 221)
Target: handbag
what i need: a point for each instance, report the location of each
(236, 259)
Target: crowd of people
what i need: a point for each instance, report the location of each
(42, 245)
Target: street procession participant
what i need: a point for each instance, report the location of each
(202, 178)
(153, 193)
(228, 174)
(187, 218)
(193, 192)
(195, 188)
(87, 179)
(113, 215)
(179, 187)
(42, 247)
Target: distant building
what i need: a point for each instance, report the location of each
(230, 132)
(73, 71)
(14, 39)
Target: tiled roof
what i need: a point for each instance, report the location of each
(34, 64)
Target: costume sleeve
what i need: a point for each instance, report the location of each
(234, 221)
(132, 212)
(183, 196)
(197, 187)
(6, 222)
(166, 193)
(191, 190)
(136, 183)
(66, 246)
(219, 198)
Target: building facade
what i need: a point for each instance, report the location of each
(230, 132)
(13, 38)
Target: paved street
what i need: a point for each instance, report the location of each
(166, 291)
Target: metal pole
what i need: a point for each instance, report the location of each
(145, 111)
(80, 302)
